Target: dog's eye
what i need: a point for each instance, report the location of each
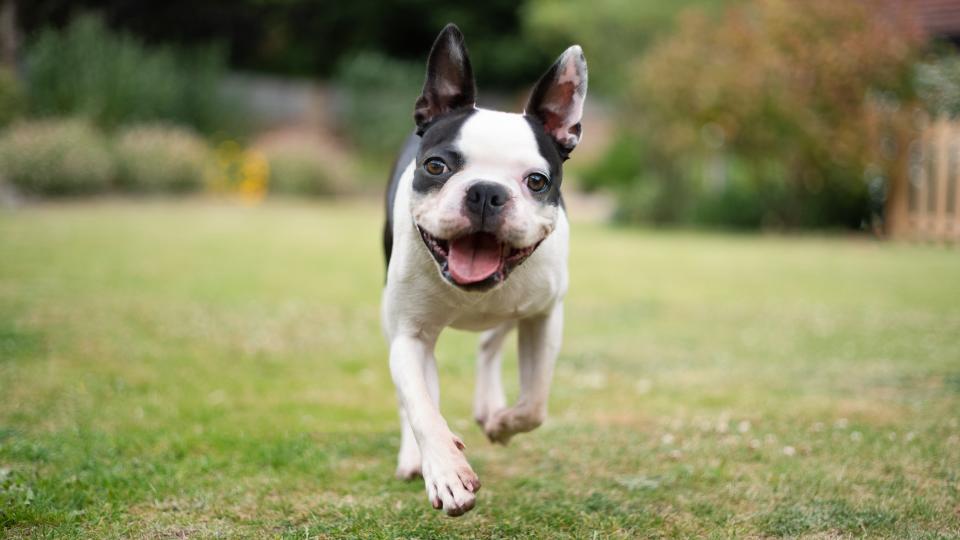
(435, 166)
(537, 182)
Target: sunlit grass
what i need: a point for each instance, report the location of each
(201, 370)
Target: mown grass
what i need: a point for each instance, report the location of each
(204, 370)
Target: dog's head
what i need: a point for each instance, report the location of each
(486, 185)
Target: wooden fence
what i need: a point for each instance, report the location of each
(932, 205)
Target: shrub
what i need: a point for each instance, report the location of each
(12, 100)
(299, 172)
(620, 165)
(56, 157)
(738, 205)
(555, 24)
(113, 79)
(938, 84)
(305, 163)
(783, 96)
(158, 158)
(377, 97)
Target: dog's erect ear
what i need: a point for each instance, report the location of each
(557, 99)
(449, 85)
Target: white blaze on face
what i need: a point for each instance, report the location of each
(497, 147)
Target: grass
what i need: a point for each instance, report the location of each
(203, 370)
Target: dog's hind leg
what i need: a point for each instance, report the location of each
(488, 397)
(539, 344)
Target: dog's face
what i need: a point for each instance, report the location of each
(486, 185)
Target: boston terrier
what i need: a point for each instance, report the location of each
(476, 238)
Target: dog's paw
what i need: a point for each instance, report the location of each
(409, 471)
(408, 459)
(486, 404)
(506, 423)
(450, 481)
(483, 412)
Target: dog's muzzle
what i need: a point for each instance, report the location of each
(475, 261)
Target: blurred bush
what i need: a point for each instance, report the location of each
(56, 157)
(12, 99)
(112, 79)
(613, 33)
(299, 171)
(621, 166)
(764, 116)
(938, 84)
(376, 96)
(160, 158)
(643, 193)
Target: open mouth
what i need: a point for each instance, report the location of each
(475, 261)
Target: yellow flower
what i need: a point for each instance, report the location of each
(245, 173)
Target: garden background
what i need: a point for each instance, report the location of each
(762, 334)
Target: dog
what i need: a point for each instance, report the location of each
(476, 238)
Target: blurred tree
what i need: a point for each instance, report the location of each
(11, 95)
(785, 92)
(612, 32)
(305, 37)
(9, 35)
(377, 97)
(938, 83)
(12, 99)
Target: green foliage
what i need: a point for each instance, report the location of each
(613, 33)
(377, 96)
(621, 165)
(647, 200)
(12, 100)
(299, 171)
(938, 84)
(158, 158)
(762, 97)
(56, 157)
(112, 79)
(738, 205)
(311, 39)
(645, 193)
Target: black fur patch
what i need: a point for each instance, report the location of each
(439, 140)
(407, 153)
(548, 149)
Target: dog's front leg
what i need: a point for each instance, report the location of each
(539, 343)
(409, 462)
(450, 481)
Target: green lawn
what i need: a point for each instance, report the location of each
(191, 369)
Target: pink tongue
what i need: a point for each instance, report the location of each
(473, 258)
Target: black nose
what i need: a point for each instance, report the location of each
(486, 199)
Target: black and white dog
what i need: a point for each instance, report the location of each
(476, 238)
